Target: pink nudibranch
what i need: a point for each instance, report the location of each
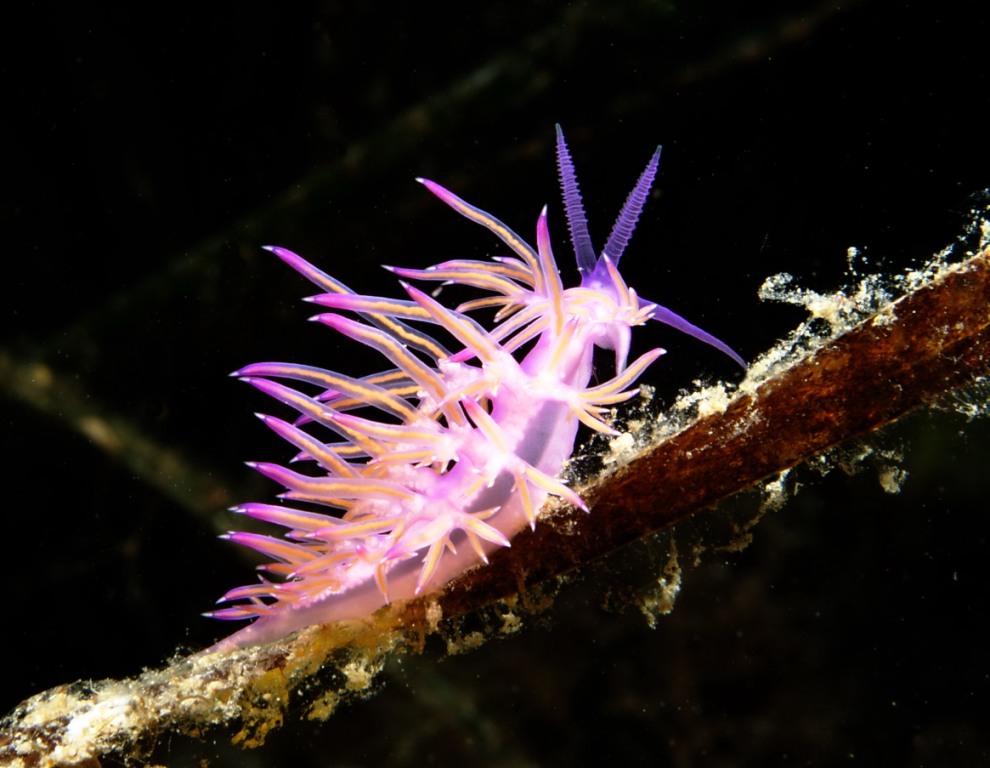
(471, 442)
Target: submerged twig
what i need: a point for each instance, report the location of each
(910, 353)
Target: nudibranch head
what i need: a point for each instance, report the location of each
(440, 459)
(600, 274)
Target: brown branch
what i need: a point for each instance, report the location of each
(908, 354)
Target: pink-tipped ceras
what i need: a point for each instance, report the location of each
(465, 445)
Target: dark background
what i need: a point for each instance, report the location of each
(147, 156)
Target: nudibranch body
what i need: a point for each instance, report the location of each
(454, 451)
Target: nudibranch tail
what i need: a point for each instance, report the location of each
(422, 470)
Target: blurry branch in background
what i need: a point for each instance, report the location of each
(62, 399)
(513, 79)
(507, 76)
(798, 401)
(65, 398)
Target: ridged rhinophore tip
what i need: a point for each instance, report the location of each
(577, 221)
(624, 225)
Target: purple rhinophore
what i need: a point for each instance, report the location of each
(624, 225)
(577, 222)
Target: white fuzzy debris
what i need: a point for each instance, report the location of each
(621, 450)
(864, 296)
(775, 493)
(105, 718)
(660, 600)
(972, 402)
(713, 400)
(852, 253)
(361, 672)
(704, 401)
(892, 478)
